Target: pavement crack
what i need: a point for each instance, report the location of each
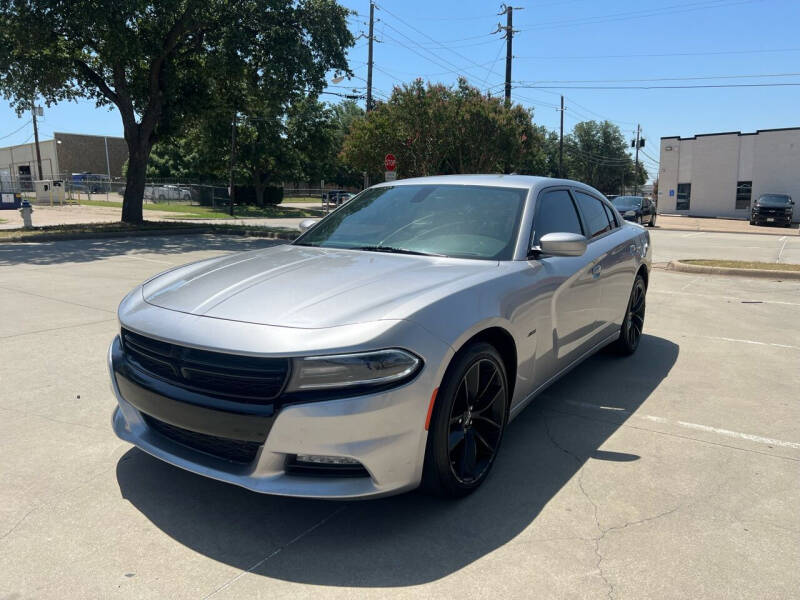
(18, 523)
(278, 550)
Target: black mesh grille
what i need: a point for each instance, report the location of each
(237, 451)
(241, 378)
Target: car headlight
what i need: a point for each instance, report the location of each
(363, 369)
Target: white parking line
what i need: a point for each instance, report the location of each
(696, 426)
(781, 251)
(725, 432)
(694, 234)
(668, 334)
(679, 293)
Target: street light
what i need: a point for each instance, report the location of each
(338, 79)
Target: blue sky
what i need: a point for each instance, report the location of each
(566, 41)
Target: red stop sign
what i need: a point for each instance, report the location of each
(390, 162)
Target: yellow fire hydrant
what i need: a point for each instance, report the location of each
(26, 211)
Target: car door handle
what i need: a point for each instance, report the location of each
(596, 271)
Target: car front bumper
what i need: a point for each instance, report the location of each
(772, 218)
(385, 432)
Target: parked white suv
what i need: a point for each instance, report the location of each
(163, 193)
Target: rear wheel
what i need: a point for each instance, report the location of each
(467, 424)
(633, 325)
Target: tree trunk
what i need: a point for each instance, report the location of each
(258, 184)
(138, 154)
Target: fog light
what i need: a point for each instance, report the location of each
(325, 460)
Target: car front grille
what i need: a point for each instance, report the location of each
(237, 451)
(771, 212)
(252, 380)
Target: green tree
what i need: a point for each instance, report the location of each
(596, 153)
(161, 62)
(435, 129)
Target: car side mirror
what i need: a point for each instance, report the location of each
(562, 244)
(307, 224)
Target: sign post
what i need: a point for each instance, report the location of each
(390, 162)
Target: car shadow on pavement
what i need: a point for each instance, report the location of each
(409, 539)
(82, 251)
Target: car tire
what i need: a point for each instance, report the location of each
(652, 222)
(752, 221)
(633, 324)
(469, 416)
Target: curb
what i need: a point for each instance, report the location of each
(676, 265)
(657, 228)
(61, 237)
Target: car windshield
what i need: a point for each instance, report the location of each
(461, 221)
(627, 202)
(773, 200)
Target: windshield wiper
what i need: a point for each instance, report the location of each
(394, 250)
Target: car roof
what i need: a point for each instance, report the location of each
(496, 180)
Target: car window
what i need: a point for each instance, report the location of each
(610, 214)
(597, 222)
(462, 221)
(555, 213)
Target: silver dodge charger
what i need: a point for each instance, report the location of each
(389, 346)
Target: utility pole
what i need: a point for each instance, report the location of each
(369, 55)
(36, 140)
(231, 186)
(636, 161)
(561, 142)
(509, 42)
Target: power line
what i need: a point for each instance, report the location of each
(438, 61)
(629, 15)
(8, 135)
(692, 78)
(657, 87)
(434, 40)
(668, 54)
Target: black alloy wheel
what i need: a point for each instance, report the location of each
(468, 421)
(631, 333)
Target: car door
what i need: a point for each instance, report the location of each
(614, 267)
(572, 288)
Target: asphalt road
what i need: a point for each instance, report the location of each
(673, 245)
(670, 474)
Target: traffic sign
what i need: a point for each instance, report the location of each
(390, 175)
(390, 162)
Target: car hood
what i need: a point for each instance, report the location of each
(300, 286)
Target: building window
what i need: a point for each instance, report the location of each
(684, 195)
(744, 190)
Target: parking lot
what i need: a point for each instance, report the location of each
(671, 474)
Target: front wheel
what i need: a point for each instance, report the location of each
(633, 325)
(469, 417)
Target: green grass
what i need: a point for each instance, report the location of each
(91, 230)
(743, 264)
(187, 211)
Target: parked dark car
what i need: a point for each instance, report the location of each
(336, 197)
(637, 209)
(772, 208)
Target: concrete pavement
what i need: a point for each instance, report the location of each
(676, 245)
(669, 474)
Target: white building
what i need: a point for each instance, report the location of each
(65, 154)
(719, 174)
